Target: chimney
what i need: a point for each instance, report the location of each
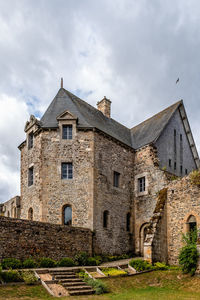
(104, 106)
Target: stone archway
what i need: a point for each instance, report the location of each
(191, 223)
(143, 233)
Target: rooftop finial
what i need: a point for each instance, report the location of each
(61, 85)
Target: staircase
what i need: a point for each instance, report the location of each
(74, 285)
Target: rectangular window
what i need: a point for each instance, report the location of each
(175, 143)
(30, 176)
(66, 171)
(67, 132)
(186, 171)
(30, 140)
(116, 177)
(181, 149)
(141, 184)
(181, 169)
(174, 165)
(170, 163)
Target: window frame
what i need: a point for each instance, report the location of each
(30, 140)
(30, 176)
(69, 223)
(142, 184)
(69, 171)
(105, 219)
(116, 179)
(68, 135)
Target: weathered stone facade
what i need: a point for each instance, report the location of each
(11, 208)
(23, 239)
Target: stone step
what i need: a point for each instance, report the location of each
(70, 280)
(77, 288)
(78, 283)
(64, 276)
(61, 272)
(81, 292)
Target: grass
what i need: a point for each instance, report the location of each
(166, 285)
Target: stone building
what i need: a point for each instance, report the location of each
(80, 167)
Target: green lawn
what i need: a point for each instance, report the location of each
(154, 285)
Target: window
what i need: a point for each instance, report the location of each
(66, 171)
(174, 165)
(67, 132)
(174, 143)
(181, 149)
(116, 177)
(30, 214)
(30, 140)
(30, 176)
(186, 171)
(170, 163)
(181, 169)
(67, 215)
(141, 184)
(128, 221)
(105, 218)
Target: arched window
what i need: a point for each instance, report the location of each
(8, 213)
(192, 223)
(105, 218)
(67, 215)
(128, 221)
(30, 214)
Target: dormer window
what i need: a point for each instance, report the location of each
(67, 132)
(30, 140)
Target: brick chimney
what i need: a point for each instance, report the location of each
(104, 106)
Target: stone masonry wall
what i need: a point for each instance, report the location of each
(11, 208)
(146, 165)
(23, 239)
(112, 156)
(183, 201)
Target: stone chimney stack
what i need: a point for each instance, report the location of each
(104, 106)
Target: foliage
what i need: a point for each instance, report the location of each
(11, 263)
(81, 259)
(195, 177)
(113, 272)
(140, 265)
(92, 261)
(29, 277)
(29, 263)
(81, 274)
(188, 256)
(99, 286)
(66, 262)
(161, 266)
(11, 276)
(46, 262)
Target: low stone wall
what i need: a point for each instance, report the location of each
(22, 239)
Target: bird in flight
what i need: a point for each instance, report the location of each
(177, 80)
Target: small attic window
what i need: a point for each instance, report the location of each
(30, 140)
(67, 132)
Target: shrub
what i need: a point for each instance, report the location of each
(29, 263)
(29, 277)
(99, 286)
(47, 263)
(161, 266)
(188, 256)
(91, 261)
(81, 259)
(98, 259)
(195, 177)
(11, 276)
(113, 272)
(66, 262)
(140, 265)
(11, 263)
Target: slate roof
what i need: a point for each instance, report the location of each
(148, 131)
(89, 117)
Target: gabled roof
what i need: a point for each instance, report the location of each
(149, 131)
(88, 116)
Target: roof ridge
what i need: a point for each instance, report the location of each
(160, 112)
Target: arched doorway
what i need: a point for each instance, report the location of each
(30, 214)
(191, 224)
(143, 233)
(67, 215)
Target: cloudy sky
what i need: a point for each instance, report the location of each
(131, 51)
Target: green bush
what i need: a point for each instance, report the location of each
(11, 276)
(29, 263)
(29, 277)
(161, 266)
(113, 272)
(98, 259)
(46, 262)
(140, 265)
(81, 259)
(11, 263)
(92, 261)
(99, 286)
(188, 256)
(66, 262)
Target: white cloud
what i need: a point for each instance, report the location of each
(131, 51)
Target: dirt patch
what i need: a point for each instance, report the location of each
(45, 277)
(58, 290)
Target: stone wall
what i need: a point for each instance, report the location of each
(11, 208)
(23, 238)
(111, 156)
(146, 165)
